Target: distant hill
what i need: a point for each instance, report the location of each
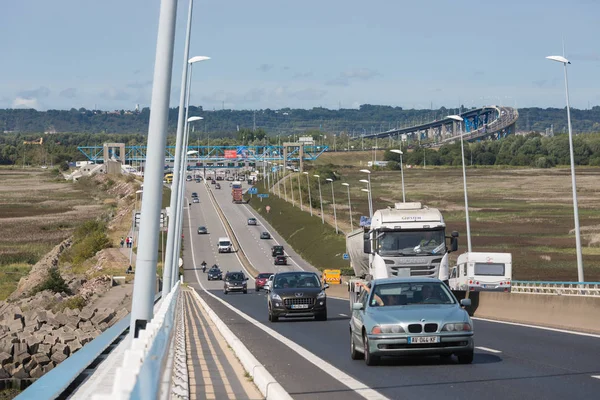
(286, 121)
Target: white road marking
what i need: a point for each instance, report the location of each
(538, 327)
(345, 379)
(487, 349)
(596, 376)
(343, 315)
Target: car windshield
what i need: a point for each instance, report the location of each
(224, 243)
(410, 293)
(265, 276)
(411, 242)
(296, 280)
(235, 277)
(213, 269)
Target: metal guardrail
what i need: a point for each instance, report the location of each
(586, 289)
(69, 374)
(140, 375)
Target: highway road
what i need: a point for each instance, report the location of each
(311, 359)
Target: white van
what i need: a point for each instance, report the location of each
(224, 245)
(482, 272)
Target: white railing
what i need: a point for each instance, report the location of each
(588, 289)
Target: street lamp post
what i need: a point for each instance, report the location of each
(580, 276)
(142, 304)
(366, 171)
(299, 188)
(292, 186)
(333, 198)
(320, 197)
(309, 197)
(459, 119)
(349, 206)
(402, 171)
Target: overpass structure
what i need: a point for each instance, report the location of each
(137, 153)
(490, 122)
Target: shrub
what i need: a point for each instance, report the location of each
(88, 239)
(54, 282)
(75, 302)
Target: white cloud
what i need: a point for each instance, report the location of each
(346, 77)
(22, 102)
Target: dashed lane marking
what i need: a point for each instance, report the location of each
(487, 349)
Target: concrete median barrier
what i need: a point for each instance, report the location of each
(576, 313)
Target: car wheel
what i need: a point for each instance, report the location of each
(466, 358)
(245, 291)
(354, 354)
(224, 291)
(272, 318)
(257, 289)
(321, 316)
(369, 358)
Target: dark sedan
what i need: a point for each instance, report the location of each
(297, 294)
(280, 260)
(265, 235)
(235, 282)
(215, 274)
(202, 230)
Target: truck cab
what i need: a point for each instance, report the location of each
(224, 245)
(480, 271)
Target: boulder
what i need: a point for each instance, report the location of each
(19, 348)
(4, 374)
(22, 358)
(61, 319)
(40, 359)
(42, 316)
(58, 357)
(37, 372)
(44, 349)
(15, 325)
(104, 315)
(74, 346)
(48, 368)
(29, 365)
(66, 338)
(20, 373)
(87, 313)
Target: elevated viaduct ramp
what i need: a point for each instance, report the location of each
(489, 122)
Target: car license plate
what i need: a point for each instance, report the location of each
(423, 339)
(296, 306)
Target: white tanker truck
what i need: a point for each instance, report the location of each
(408, 240)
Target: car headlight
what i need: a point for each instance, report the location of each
(321, 295)
(386, 329)
(457, 327)
(276, 297)
(244, 284)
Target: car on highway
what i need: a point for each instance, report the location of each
(195, 200)
(280, 260)
(230, 178)
(194, 194)
(224, 245)
(202, 230)
(251, 221)
(198, 179)
(265, 235)
(261, 280)
(188, 178)
(235, 282)
(277, 251)
(213, 181)
(410, 317)
(214, 274)
(297, 294)
(219, 178)
(209, 178)
(218, 186)
(269, 283)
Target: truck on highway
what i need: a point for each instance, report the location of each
(480, 271)
(408, 240)
(236, 192)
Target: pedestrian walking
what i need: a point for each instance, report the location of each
(122, 241)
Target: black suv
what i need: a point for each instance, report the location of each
(277, 251)
(235, 282)
(297, 294)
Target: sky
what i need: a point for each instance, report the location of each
(303, 54)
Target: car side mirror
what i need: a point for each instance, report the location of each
(357, 306)
(465, 302)
(367, 243)
(454, 243)
(326, 286)
(245, 279)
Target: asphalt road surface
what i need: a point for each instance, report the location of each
(311, 359)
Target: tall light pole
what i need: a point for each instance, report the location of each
(459, 119)
(320, 198)
(580, 276)
(291, 186)
(309, 196)
(181, 197)
(333, 197)
(299, 188)
(366, 171)
(133, 224)
(402, 171)
(142, 304)
(349, 206)
(184, 99)
(284, 185)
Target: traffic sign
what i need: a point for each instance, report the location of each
(253, 190)
(346, 256)
(263, 195)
